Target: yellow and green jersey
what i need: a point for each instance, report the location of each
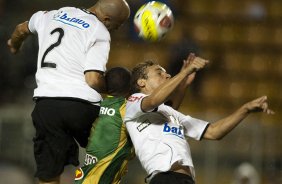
(109, 146)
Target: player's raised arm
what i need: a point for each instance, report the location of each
(161, 94)
(176, 98)
(20, 33)
(222, 127)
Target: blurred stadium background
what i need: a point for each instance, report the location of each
(242, 40)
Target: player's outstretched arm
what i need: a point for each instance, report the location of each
(161, 94)
(20, 33)
(222, 127)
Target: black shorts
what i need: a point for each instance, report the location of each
(59, 123)
(171, 177)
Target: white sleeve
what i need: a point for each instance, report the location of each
(193, 128)
(98, 54)
(35, 20)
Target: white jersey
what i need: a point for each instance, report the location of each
(159, 136)
(71, 42)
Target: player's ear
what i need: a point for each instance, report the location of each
(141, 82)
(106, 20)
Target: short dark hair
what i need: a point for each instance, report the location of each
(139, 72)
(118, 81)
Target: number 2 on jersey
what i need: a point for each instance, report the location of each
(51, 47)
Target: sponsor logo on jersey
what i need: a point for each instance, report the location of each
(134, 98)
(79, 174)
(107, 111)
(171, 130)
(72, 21)
(143, 125)
(90, 159)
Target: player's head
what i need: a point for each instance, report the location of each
(112, 13)
(118, 81)
(147, 76)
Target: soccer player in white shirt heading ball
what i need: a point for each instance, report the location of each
(158, 131)
(74, 46)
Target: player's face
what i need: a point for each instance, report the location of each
(156, 76)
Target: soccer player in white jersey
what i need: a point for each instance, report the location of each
(158, 131)
(74, 45)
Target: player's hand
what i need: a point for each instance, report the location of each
(189, 78)
(194, 64)
(13, 49)
(258, 105)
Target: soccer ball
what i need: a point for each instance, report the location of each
(153, 21)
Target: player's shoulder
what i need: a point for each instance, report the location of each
(53, 13)
(95, 24)
(71, 13)
(101, 30)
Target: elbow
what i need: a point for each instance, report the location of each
(92, 84)
(212, 137)
(96, 85)
(149, 103)
(146, 107)
(213, 134)
(96, 81)
(218, 138)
